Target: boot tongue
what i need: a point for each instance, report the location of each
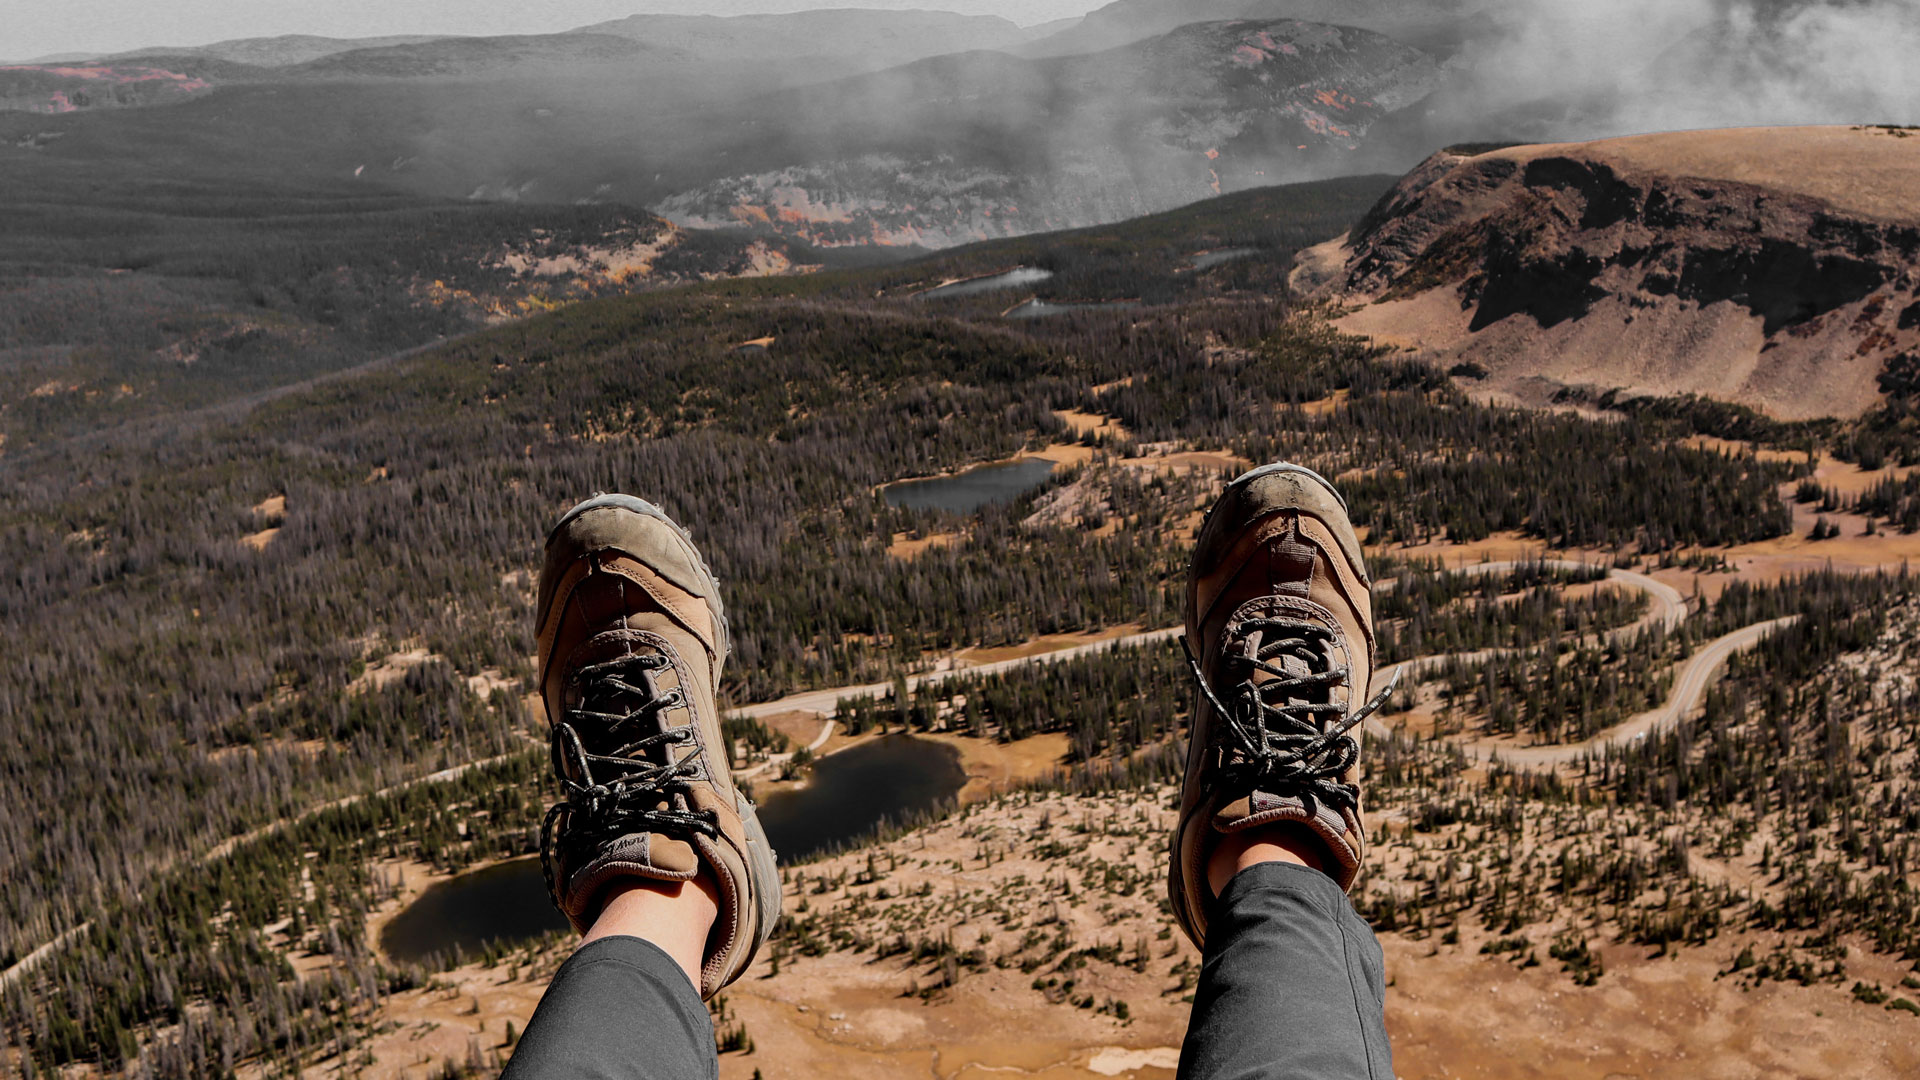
(653, 855)
(1262, 807)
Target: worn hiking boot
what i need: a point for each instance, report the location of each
(1279, 631)
(632, 639)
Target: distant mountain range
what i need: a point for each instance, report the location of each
(856, 39)
(860, 39)
(931, 128)
(984, 144)
(767, 122)
(1433, 25)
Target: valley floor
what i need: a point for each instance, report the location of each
(1065, 966)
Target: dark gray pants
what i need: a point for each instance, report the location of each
(1292, 987)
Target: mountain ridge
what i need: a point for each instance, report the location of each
(1207, 108)
(1777, 268)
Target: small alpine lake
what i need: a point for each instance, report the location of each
(849, 795)
(966, 492)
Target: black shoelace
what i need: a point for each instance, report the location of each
(1286, 736)
(612, 794)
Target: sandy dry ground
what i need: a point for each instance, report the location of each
(1403, 279)
(1452, 1011)
(908, 546)
(1865, 171)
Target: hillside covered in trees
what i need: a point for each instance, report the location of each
(225, 618)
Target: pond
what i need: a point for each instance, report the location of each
(859, 789)
(851, 793)
(1040, 309)
(964, 493)
(506, 903)
(1012, 279)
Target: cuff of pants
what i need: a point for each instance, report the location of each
(1292, 984)
(618, 1009)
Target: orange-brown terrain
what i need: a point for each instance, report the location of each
(1773, 267)
(1645, 804)
(1026, 933)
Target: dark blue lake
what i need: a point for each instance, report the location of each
(850, 794)
(963, 493)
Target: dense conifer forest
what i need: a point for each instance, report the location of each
(219, 622)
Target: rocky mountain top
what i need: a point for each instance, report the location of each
(1777, 268)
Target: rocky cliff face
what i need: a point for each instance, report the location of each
(1779, 268)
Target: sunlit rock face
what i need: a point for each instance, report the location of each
(1775, 267)
(984, 145)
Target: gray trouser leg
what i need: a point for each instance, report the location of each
(618, 1009)
(1292, 986)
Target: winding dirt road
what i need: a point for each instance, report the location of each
(1692, 678)
(226, 847)
(1666, 607)
(1690, 684)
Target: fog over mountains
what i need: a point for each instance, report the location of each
(932, 128)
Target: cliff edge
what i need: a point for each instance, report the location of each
(1774, 267)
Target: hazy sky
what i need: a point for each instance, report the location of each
(30, 28)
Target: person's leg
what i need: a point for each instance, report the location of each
(654, 853)
(1292, 984)
(1279, 633)
(624, 1005)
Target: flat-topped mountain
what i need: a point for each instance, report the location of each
(1774, 267)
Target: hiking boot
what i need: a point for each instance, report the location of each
(632, 639)
(1279, 632)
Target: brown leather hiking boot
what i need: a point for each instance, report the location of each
(1279, 631)
(632, 638)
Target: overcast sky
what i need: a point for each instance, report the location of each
(31, 28)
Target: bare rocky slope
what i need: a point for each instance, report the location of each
(1774, 267)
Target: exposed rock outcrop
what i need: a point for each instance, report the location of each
(1778, 268)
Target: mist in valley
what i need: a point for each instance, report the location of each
(810, 127)
(1071, 129)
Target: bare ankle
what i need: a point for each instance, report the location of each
(677, 916)
(1284, 842)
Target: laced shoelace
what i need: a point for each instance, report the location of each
(628, 799)
(1285, 735)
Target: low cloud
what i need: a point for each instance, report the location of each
(1571, 69)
